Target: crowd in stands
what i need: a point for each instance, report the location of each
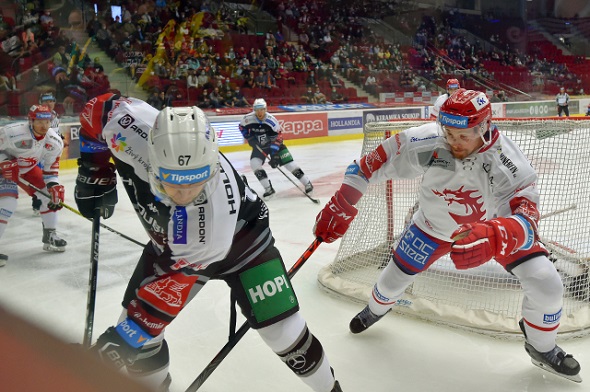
(200, 52)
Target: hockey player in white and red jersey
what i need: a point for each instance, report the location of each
(478, 200)
(47, 99)
(452, 86)
(204, 223)
(23, 145)
(263, 132)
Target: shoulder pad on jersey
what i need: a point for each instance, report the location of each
(96, 111)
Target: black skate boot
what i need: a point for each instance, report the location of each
(269, 192)
(336, 387)
(364, 320)
(555, 361)
(3, 260)
(51, 242)
(308, 188)
(36, 204)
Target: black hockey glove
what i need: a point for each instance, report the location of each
(96, 187)
(112, 349)
(275, 160)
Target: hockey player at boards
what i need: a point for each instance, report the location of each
(204, 223)
(477, 200)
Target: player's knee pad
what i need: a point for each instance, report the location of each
(256, 163)
(305, 356)
(298, 173)
(540, 282)
(260, 174)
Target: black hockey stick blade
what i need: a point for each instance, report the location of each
(225, 350)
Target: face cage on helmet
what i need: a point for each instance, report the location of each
(160, 193)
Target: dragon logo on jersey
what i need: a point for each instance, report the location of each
(118, 142)
(470, 200)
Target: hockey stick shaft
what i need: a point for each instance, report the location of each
(289, 178)
(225, 350)
(92, 279)
(75, 211)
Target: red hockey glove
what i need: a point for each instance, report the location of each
(477, 243)
(333, 221)
(57, 193)
(10, 169)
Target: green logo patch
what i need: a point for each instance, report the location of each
(268, 289)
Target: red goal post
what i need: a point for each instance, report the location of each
(486, 299)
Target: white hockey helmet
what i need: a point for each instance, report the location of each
(183, 155)
(259, 103)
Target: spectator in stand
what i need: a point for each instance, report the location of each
(61, 58)
(249, 80)
(311, 79)
(319, 97)
(155, 101)
(192, 80)
(259, 80)
(309, 96)
(562, 99)
(203, 78)
(336, 97)
(269, 80)
(229, 99)
(371, 84)
(240, 99)
(216, 98)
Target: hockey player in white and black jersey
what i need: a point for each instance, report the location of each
(204, 223)
(263, 133)
(23, 146)
(478, 200)
(452, 86)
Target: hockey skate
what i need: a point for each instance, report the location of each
(308, 188)
(364, 320)
(165, 385)
(555, 361)
(51, 242)
(3, 260)
(269, 192)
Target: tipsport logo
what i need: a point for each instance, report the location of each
(184, 176)
(118, 142)
(453, 121)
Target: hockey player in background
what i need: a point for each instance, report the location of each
(47, 99)
(204, 223)
(263, 132)
(22, 147)
(478, 200)
(452, 86)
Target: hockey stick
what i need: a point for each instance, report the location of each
(75, 211)
(92, 279)
(225, 350)
(316, 201)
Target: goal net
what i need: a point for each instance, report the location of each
(485, 299)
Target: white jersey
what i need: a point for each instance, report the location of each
(453, 191)
(437, 105)
(17, 141)
(227, 226)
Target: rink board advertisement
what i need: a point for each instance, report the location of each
(370, 116)
(537, 109)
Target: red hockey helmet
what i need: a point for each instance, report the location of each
(466, 109)
(453, 83)
(39, 112)
(95, 114)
